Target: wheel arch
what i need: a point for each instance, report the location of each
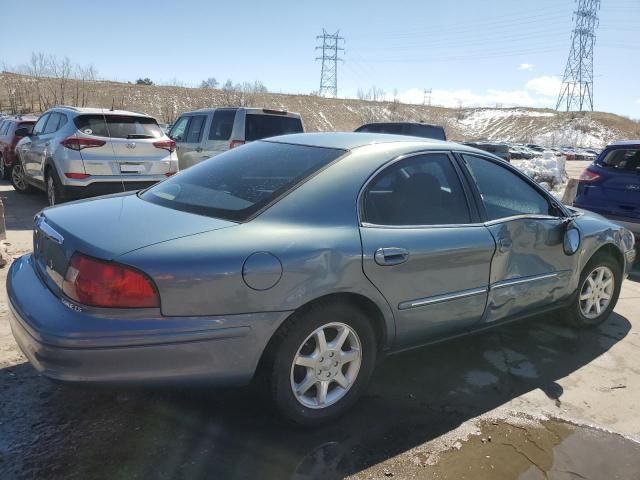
(365, 304)
(613, 251)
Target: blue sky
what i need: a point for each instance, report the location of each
(507, 52)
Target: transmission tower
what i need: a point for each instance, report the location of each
(329, 73)
(576, 92)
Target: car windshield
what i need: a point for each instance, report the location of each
(238, 183)
(118, 126)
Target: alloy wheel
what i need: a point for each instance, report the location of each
(596, 292)
(17, 175)
(326, 365)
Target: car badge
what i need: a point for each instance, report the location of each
(131, 145)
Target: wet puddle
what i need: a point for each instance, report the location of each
(549, 450)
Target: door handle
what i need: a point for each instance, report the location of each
(391, 256)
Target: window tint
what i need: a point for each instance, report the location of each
(627, 159)
(118, 126)
(258, 127)
(504, 193)
(236, 184)
(194, 130)
(222, 124)
(39, 126)
(52, 124)
(420, 190)
(178, 129)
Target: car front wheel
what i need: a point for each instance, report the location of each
(319, 362)
(598, 291)
(18, 179)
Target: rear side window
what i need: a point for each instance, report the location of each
(4, 127)
(420, 190)
(258, 126)
(236, 184)
(623, 159)
(504, 194)
(222, 124)
(195, 128)
(118, 126)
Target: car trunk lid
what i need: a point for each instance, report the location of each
(106, 228)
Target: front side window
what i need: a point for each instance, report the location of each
(39, 126)
(419, 190)
(236, 184)
(222, 124)
(505, 194)
(178, 129)
(194, 130)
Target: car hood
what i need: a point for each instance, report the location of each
(111, 226)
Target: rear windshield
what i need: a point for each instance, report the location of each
(118, 126)
(416, 130)
(222, 124)
(236, 184)
(623, 159)
(259, 126)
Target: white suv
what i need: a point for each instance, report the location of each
(81, 152)
(204, 133)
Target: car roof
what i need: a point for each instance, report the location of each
(625, 142)
(104, 111)
(353, 140)
(262, 111)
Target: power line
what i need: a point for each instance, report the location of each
(329, 72)
(577, 81)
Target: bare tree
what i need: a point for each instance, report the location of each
(210, 82)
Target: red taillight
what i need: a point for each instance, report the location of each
(236, 143)
(168, 145)
(589, 176)
(77, 176)
(75, 143)
(106, 284)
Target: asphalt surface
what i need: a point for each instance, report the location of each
(532, 400)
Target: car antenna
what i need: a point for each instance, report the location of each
(113, 104)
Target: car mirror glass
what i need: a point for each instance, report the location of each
(572, 239)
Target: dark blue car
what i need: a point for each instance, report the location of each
(610, 186)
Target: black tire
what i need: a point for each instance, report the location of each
(56, 193)
(276, 369)
(5, 170)
(18, 179)
(574, 313)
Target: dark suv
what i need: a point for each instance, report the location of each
(414, 129)
(9, 139)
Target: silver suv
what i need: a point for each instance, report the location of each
(82, 152)
(204, 133)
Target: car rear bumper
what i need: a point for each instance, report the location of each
(67, 345)
(95, 189)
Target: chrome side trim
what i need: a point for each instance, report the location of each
(518, 281)
(48, 231)
(420, 302)
(521, 217)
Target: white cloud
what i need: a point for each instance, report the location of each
(537, 92)
(526, 66)
(547, 85)
(637, 100)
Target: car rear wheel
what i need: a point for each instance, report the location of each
(55, 189)
(598, 292)
(18, 179)
(319, 362)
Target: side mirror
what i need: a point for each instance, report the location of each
(572, 239)
(22, 132)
